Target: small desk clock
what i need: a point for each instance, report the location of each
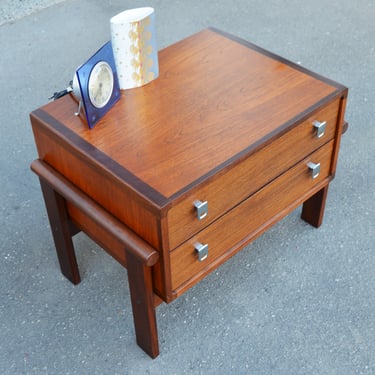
(95, 85)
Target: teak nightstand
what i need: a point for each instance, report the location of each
(182, 173)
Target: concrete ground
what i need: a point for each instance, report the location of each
(299, 300)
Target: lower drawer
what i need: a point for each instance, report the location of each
(235, 228)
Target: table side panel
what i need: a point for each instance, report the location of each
(339, 132)
(98, 185)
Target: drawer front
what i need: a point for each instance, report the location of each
(233, 230)
(232, 186)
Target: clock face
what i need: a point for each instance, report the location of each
(100, 84)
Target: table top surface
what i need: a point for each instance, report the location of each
(216, 100)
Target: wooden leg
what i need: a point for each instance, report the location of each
(313, 208)
(62, 232)
(142, 298)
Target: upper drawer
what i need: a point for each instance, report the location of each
(232, 185)
(232, 231)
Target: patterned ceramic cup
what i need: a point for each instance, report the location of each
(134, 47)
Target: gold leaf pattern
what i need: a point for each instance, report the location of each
(134, 49)
(140, 49)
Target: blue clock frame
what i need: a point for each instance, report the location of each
(92, 113)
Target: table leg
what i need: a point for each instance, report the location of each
(142, 298)
(61, 231)
(313, 208)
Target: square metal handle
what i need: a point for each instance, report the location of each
(314, 168)
(202, 251)
(201, 209)
(320, 128)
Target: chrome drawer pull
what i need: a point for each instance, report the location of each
(320, 128)
(201, 209)
(202, 251)
(314, 168)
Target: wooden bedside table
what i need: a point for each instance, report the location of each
(182, 173)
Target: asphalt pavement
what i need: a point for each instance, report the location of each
(298, 300)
